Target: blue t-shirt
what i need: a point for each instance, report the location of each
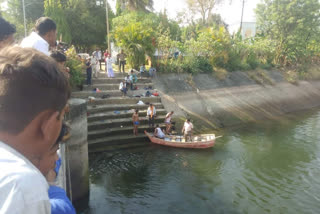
(60, 203)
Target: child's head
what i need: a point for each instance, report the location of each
(137, 111)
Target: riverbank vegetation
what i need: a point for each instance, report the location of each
(287, 35)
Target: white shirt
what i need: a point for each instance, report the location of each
(37, 42)
(187, 127)
(109, 63)
(121, 86)
(23, 189)
(168, 118)
(160, 134)
(149, 111)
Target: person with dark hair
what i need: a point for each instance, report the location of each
(61, 59)
(44, 37)
(58, 56)
(6, 33)
(89, 71)
(32, 106)
(167, 121)
(158, 132)
(135, 120)
(151, 114)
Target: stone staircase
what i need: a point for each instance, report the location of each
(109, 114)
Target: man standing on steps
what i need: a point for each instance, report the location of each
(122, 60)
(135, 120)
(43, 38)
(151, 114)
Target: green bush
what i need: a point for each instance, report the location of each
(76, 67)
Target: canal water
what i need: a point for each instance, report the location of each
(270, 167)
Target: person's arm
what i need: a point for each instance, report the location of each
(60, 203)
(148, 112)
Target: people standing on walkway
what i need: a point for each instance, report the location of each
(167, 121)
(95, 66)
(136, 122)
(6, 33)
(97, 54)
(43, 37)
(109, 62)
(142, 70)
(158, 132)
(30, 122)
(187, 130)
(123, 88)
(151, 114)
(121, 58)
(105, 57)
(89, 70)
(152, 72)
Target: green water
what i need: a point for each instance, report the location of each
(268, 168)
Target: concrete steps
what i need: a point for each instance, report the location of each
(128, 130)
(117, 80)
(124, 100)
(119, 107)
(112, 86)
(120, 114)
(124, 122)
(110, 118)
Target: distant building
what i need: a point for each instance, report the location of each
(248, 29)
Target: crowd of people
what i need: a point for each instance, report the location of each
(33, 101)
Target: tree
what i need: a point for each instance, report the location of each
(292, 24)
(134, 33)
(134, 5)
(204, 7)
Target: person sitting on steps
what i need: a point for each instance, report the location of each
(123, 88)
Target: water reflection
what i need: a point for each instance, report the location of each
(268, 168)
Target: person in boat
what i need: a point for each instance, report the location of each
(151, 114)
(135, 120)
(158, 132)
(167, 121)
(187, 130)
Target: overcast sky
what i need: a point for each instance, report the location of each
(231, 13)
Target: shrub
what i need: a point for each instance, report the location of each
(76, 67)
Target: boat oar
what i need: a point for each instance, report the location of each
(218, 137)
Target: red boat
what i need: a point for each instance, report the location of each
(199, 141)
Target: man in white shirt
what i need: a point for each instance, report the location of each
(151, 114)
(43, 38)
(187, 130)
(32, 105)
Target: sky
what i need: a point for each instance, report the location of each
(230, 12)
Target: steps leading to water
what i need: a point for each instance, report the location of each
(110, 114)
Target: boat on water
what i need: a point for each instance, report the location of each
(199, 141)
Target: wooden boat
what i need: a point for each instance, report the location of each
(199, 141)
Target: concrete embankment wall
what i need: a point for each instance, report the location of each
(214, 103)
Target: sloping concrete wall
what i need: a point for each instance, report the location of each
(215, 103)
